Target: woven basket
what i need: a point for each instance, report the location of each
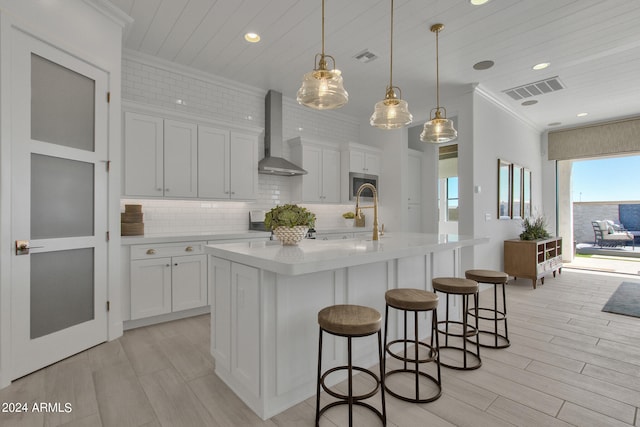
(290, 235)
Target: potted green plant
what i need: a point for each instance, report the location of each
(349, 218)
(289, 223)
(534, 228)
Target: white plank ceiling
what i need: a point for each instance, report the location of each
(593, 47)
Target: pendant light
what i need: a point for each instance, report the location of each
(322, 88)
(438, 128)
(392, 112)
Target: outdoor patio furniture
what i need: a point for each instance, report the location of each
(629, 214)
(609, 234)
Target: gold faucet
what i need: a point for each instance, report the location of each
(374, 206)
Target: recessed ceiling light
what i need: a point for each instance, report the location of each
(483, 65)
(582, 114)
(181, 102)
(530, 102)
(252, 37)
(555, 124)
(541, 66)
(478, 2)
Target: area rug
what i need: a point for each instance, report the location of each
(625, 300)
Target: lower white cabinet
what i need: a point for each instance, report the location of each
(163, 280)
(235, 320)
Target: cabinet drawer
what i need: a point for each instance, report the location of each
(166, 250)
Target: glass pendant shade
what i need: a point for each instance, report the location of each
(323, 90)
(438, 130)
(391, 112)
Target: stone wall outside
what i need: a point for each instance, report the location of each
(585, 212)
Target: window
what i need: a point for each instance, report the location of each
(452, 198)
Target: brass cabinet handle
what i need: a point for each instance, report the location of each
(151, 251)
(189, 249)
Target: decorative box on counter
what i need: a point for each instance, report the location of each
(131, 223)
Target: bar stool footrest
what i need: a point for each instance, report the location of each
(501, 317)
(344, 396)
(416, 399)
(346, 402)
(471, 330)
(433, 353)
(463, 368)
(501, 337)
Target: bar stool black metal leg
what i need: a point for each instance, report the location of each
(319, 376)
(350, 381)
(434, 327)
(495, 314)
(415, 348)
(465, 307)
(504, 310)
(382, 368)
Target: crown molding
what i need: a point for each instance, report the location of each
(478, 89)
(112, 12)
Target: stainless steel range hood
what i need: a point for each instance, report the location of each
(273, 162)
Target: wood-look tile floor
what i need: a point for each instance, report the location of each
(569, 364)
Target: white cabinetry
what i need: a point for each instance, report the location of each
(322, 162)
(167, 277)
(366, 162)
(227, 164)
(414, 198)
(160, 157)
(235, 321)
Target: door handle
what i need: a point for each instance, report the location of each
(22, 247)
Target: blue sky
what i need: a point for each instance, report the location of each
(610, 179)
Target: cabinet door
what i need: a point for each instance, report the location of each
(330, 176)
(312, 181)
(244, 166)
(143, 155)
(414, 218)
(371, 164)
(180, 159)
(150, 287)
(213, 163)
(220, 299)
(189, 281)
(245, 326)
(356, 161)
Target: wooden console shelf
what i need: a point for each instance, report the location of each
(533, 259)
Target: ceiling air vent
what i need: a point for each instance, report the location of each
(365, 56)
(541, 87)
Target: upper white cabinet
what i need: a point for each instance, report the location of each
(363, 159)
(143, 155)
(322, 162)
(175, 159)
(180, 159)
(364, 162)
(160, 157)
(227, 164)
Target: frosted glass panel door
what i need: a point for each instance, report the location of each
(59, 203)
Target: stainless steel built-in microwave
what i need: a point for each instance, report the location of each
(356, 180)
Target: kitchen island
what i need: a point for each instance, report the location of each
(265, 298)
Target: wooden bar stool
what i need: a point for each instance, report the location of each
(350, 321)
(465, 288)
(496, 278)
(416, 301)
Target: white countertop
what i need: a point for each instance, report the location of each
(311, 256)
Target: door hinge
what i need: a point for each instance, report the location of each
(108, 97)
(108, 236)
(108, 165)
(108, 305)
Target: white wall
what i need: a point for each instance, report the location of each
(92, 31)
(499, 134)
